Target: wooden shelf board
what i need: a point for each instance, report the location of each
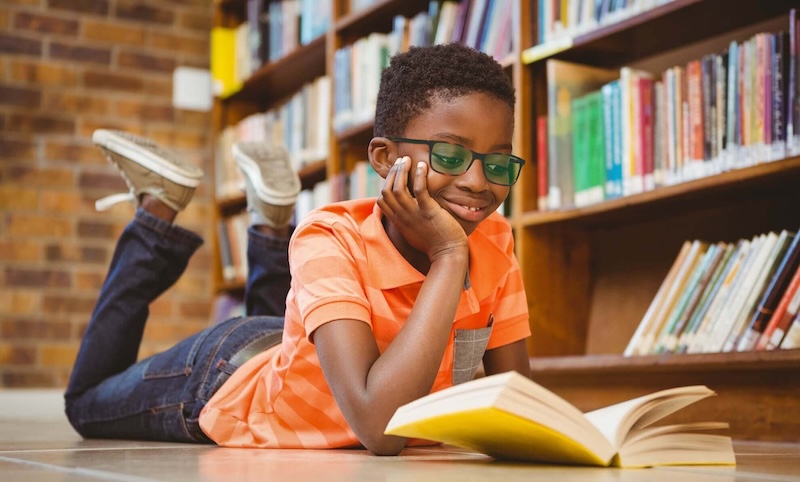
(377, 17)
(661, 29)
(277, 80)
(355, 133)
(597, 213)
(704, 362)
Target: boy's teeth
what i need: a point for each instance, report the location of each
(471, 209)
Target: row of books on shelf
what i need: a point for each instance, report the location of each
(564, 19)
(723, 297)
(271, 29)
(617, 132)
(301, 125)
(485, 25)
(361, 182)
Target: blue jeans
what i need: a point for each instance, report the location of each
(110, 394)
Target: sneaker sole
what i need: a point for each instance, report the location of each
(264, 193)
(140, 155)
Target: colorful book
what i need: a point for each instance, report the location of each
(772, 295)
(781, 320)
(510, 417)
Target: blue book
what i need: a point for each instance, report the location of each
(612, 105)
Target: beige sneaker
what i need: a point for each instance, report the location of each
(271, 183)
(146, 168)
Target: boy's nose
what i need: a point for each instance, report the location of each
(474, 179)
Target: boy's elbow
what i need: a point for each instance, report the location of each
(384, 445)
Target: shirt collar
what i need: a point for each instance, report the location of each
(488, 261)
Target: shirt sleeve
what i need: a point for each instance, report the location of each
(327, 264)
(511, 320)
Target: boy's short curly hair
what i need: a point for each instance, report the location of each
(414, 78)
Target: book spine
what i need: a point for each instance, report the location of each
(541, 160)
(768, 304)
(782, 320)
(792, 338)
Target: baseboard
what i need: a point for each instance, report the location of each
(32, 404)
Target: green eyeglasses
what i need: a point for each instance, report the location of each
(454, 160)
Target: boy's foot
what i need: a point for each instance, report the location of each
(147, 169)
(271, 183)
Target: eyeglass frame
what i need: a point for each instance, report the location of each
(475, 155)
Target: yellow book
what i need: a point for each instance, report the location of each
(511, 417)
(223, 61)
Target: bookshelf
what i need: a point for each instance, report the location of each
(590, 273)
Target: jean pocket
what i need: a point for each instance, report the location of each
(171, 363)
(469, 347)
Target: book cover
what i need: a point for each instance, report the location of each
(510, 417)
(613, 139)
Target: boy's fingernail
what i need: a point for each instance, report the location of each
(419, 165)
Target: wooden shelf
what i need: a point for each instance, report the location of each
(356, 133)
(377, 17)
(664, 28)
(278, 80)
(768, 176)
(701, 362)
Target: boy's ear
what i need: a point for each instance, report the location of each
(382, 154)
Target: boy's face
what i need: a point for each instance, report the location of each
(478, 122)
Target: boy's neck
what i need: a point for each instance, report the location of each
(415, 258)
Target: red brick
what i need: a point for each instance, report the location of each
(150, 112)
(64, 202)
(21, 150)
(33, 278)
(134, 10)
(110, 180)
(68, 304)
(190, 44)
(14, 250)
(18, 198)
(43, 73)
(16, 355)
(30, 3)
(38, 177)
(89, 125)
(78, 103)
(40, 124)
(19, 96)
(45, 24)
(58, 355)
(12, 44)
(155, 87)
(99, 7)
(27, 378)
(142, 61)
(96, 230)
(201, 22)
(20, 301)
(72, 252)
(22, 329)
(109, 81)
(80, 53)
(90, 281)
(4, 19)
(84, 154)
(113, 32)
(30, 225)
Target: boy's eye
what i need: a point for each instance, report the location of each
(448, 161)
(497, 169)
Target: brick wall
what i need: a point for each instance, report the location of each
(68, 67)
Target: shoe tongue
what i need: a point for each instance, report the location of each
(108, 201)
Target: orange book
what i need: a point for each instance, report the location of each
(695, 84)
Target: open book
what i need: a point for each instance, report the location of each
(508, 416)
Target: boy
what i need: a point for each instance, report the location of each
(389, 299)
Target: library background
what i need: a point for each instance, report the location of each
(655, 223)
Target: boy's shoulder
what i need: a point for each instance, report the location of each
(352, 212)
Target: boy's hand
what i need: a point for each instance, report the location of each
(422, 222)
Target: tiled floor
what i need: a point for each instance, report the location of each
(37, 444)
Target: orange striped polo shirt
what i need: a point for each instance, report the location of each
(344, 266)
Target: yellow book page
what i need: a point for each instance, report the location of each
(501, 435)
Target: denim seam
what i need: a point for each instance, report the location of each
(170, 231)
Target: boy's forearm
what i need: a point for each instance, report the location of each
(407, 369)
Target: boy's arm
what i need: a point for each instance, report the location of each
(368, 385)
(513, 356)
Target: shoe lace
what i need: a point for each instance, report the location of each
(108, 201)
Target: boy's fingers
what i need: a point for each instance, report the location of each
(421, 185)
